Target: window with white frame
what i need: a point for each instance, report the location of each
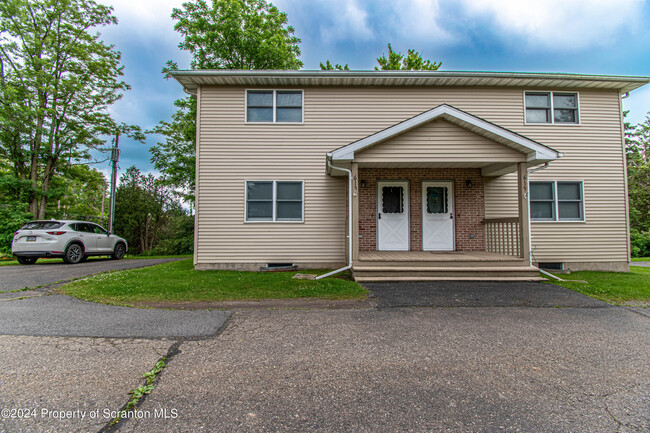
(551, 107)
(274, 201)
(557, 201)
(274, 106)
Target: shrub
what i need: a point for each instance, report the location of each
(640, 242)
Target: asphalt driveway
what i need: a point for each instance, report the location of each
(40, 312)
(420, 357)
(477, 294)
(44, 273)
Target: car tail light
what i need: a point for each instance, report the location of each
(55, 233)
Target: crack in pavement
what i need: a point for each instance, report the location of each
(173, 350)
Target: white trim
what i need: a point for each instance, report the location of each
(556, 202)
(552, 122)
(533, 150)
(274, 107)
(274, 219)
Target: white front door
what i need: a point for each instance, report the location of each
(438, 216)
(393, 215)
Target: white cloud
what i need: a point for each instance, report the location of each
(420, 20)
(346, 20)
(147, 19)
(559, 25)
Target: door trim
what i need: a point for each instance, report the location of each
(408, 211)
(453, 210)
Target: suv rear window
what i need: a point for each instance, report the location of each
(41, 225)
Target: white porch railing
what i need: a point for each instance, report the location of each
(502, 236)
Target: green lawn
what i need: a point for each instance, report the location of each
(12, 261)
(641, 259)
(614, 287)
(179, 282)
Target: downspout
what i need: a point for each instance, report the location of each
(349, 265)
(530, 235)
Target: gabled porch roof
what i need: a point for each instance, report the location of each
(534, 152)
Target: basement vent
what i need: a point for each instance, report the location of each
(551, 266)
(279, 267)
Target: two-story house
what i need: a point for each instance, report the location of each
(410, 174)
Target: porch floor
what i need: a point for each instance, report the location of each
(372, 266)
(434, 256)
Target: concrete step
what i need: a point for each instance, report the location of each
(375, 279)
(443, 263)
(441, 273)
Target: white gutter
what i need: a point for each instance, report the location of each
(530, 234)
(349, 266)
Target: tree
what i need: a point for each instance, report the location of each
(143, 206)
(329, 67)
(637, 140)
(412, 61)
(221, 34)
(57, 81)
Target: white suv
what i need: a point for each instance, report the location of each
(74, 241)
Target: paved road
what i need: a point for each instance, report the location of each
(59, 315)
(469, 368)
(22, 276)
(459, 369)
(42, 313)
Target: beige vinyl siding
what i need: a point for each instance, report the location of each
(593, 154)
(438, 142)
(232, 152)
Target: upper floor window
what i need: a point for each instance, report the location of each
(556, 201)
(552, 107)
(274, 106)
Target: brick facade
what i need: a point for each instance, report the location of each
(469, 208)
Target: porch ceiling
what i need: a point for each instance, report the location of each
(494, 149)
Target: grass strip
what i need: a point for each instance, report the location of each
(178, 282)
(612, 287)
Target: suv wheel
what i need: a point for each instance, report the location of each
(27, 260)
(73, 254)
(119, 251)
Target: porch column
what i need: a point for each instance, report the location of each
(355, 211)
(522, 191)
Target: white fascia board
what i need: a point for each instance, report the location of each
(532, 149)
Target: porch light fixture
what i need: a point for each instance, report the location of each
(468, 183)
(363, 183)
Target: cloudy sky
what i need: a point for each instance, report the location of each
(576, 36)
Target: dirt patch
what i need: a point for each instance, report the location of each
(298, 303)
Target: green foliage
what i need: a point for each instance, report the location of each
(177, 236)
(220, 34)
(329, 67)
(146, 212)
(175, 157)
(413, 61)
(637, 140)
(57, 81)
(614, 287)
(12, 217)
(640, 242)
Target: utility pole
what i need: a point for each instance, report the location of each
(115, 156)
